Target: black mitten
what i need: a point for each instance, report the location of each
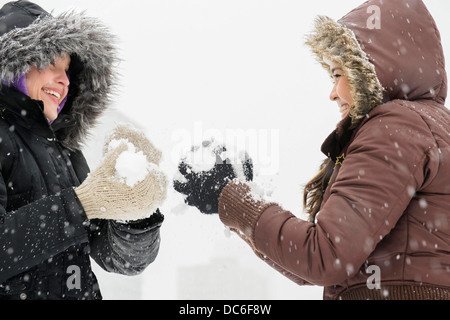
(203, 188)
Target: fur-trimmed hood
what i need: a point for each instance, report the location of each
(30, 36)
(398, 56)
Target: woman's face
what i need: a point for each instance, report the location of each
(341, 90)
(50, 85)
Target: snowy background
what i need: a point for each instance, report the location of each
(237, 70)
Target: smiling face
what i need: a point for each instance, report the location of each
(341, 90)
(51, 85)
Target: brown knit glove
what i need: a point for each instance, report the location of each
(106, 196)
(240, 209)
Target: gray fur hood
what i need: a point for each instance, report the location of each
(43, 38)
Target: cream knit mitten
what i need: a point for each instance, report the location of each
(126, 133)
(105, 194)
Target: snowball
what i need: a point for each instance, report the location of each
(131, 167)
(204, 157)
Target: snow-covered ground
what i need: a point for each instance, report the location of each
(236, 70)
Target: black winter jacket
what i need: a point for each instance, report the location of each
(46, 240)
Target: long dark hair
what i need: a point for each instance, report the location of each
(315, 188)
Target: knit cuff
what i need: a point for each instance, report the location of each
(397, 292)
(90, 204)
(240, 209)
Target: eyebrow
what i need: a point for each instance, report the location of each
(336, 68)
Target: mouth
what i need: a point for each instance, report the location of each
(344, 109)
(53, 94)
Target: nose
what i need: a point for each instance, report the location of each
(333, 94)
(63, 78)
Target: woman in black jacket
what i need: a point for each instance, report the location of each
(52, 219)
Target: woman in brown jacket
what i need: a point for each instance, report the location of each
(379, 208)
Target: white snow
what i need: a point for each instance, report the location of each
(131, 167)
(204, 156)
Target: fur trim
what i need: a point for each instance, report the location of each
(78, 35)
(331, 41)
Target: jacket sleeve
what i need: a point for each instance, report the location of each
(124, 248)
(383, 167)
(240, 209)
(38, 231)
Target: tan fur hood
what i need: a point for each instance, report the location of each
(391, 59)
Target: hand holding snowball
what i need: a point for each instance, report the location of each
(126, 186)
(202, 184)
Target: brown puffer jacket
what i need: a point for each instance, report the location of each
(383, 230)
